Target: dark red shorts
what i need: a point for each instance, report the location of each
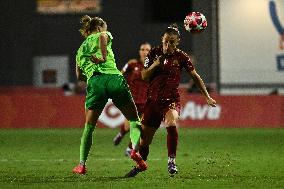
(154, 112)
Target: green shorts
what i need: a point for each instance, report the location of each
(102, 87)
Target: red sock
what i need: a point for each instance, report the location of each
(144, 151)
(172, 141)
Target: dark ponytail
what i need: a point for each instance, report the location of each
(173, 30)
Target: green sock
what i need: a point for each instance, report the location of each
(135, 133)
(86, 142)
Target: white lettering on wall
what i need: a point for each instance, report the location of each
(194, 111)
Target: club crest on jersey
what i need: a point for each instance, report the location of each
(165, 61)
(146, 63)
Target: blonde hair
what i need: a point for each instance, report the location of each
(90, 24)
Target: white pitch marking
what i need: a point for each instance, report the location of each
(62, 160)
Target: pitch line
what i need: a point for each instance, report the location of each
(71, 160)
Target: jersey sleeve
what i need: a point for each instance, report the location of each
(186, 62)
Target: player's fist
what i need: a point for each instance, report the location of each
(95, 60)
(157, 60)
(132, 61)
(211, 102)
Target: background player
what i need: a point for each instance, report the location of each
(138, 87)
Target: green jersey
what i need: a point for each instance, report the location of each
(91, 46)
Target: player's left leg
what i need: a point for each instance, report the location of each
(171, 118)
(95, 101)
(87, 139)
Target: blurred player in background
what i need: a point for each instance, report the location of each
(138, 87)
(163, 66)
(96, 65)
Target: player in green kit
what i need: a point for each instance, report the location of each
(95, 64)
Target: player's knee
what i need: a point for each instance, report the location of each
(89, 126)
(171, 118)
(171, 122)
(90, 123)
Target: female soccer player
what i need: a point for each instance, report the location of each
(138, 87)
(96, 65)
(163, 67)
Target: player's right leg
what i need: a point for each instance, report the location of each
(146, 139)
(140, 109)
(130, 113)
(122, 99)
(128, 149)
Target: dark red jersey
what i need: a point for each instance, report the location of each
(165, 79)
(137, 85)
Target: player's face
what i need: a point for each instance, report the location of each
(170, 43)
(143, 51)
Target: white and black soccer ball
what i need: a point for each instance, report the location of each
(195, 22)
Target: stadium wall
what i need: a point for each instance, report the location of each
(26, 34)
(49, 108)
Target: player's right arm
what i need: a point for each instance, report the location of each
(127, 67)
(103, 47)
(152, 62)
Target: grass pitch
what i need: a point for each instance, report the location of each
(207, 158)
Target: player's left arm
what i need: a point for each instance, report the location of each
(103, 47)
(80, 75)
(200, 84)
(187, 62)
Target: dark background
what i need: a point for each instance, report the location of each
(26, 34)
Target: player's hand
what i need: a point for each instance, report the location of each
(211, 102)
(95, 60)
(132, 61)
(157, 61)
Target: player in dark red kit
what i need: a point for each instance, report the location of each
(162, 69)
(138, 87)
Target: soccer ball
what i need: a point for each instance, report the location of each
(195, 22)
